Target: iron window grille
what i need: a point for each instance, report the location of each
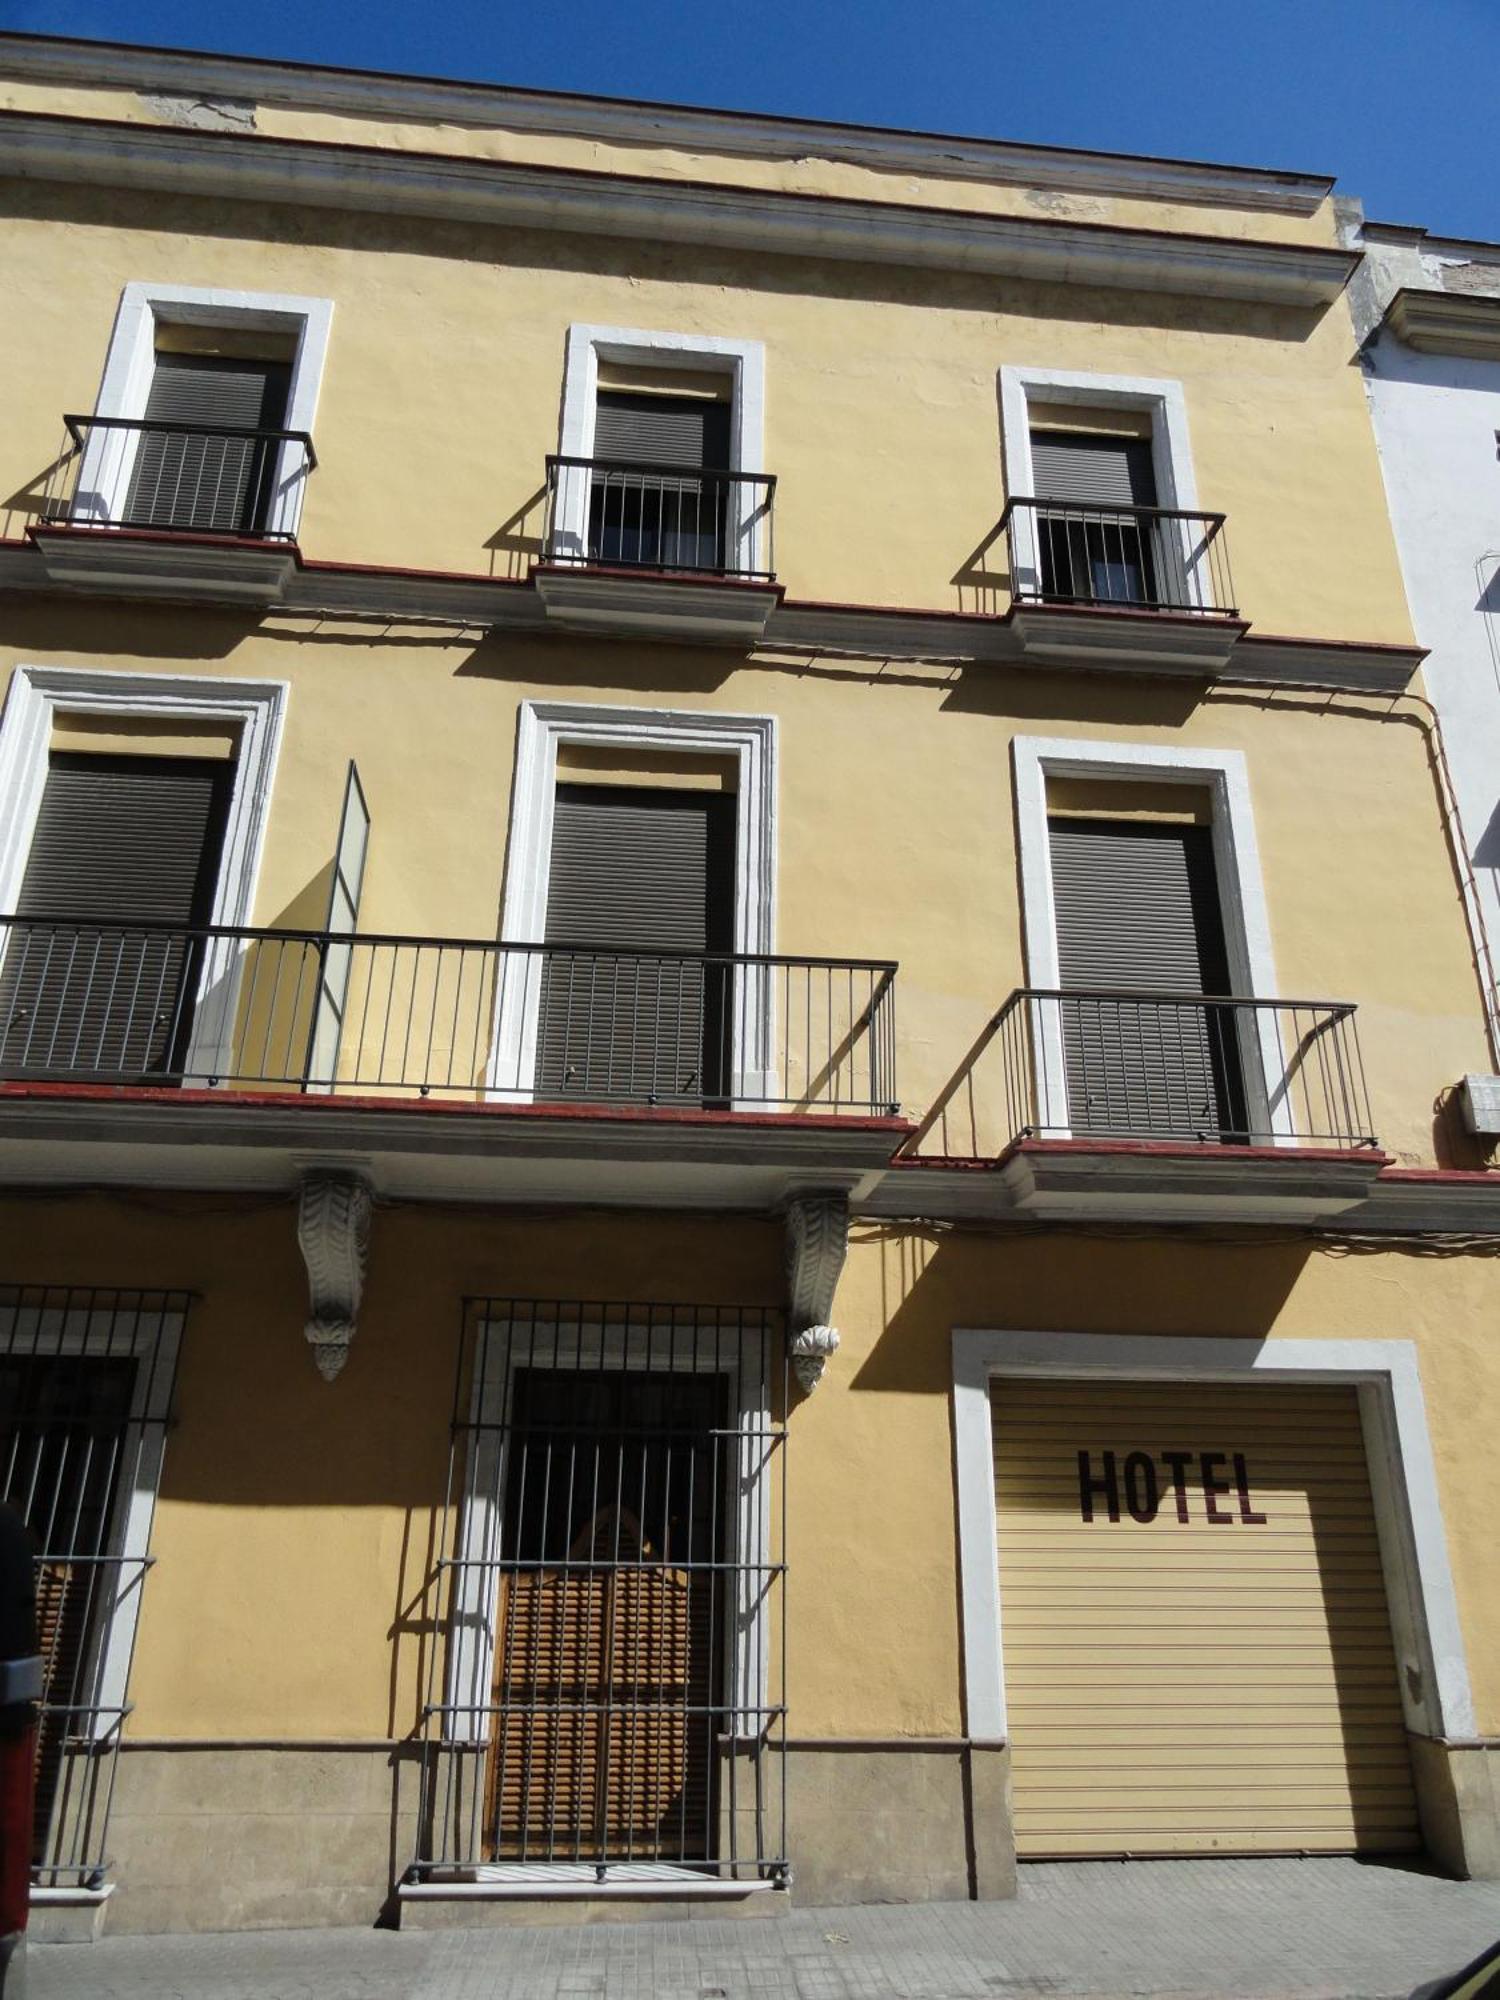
(86, 1381)
(610, 1705)
(127, 473)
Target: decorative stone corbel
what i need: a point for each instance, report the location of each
(333, 1234)
(817, 1241)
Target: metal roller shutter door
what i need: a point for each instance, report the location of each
(1197, 1685)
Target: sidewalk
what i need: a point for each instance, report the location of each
(1319, 1930)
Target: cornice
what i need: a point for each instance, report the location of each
(866, 632)
(1459, 323)
(489, 193)
(374, 94)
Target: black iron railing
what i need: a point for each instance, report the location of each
(133, 472)
(1184, 1068)
(85, 1390)
(610, 1703)
(1129, 558)
(616, 515)
(310, 1010)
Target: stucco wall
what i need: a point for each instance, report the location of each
(441, 394)
(296, 1525)
(897, 827)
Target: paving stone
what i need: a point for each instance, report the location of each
(1143, 1930)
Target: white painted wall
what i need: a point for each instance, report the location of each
(1436, 418)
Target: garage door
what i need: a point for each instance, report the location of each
(1198, 1654)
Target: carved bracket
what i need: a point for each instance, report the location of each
(333, 1234)
(817, 1242)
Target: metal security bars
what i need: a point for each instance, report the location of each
(610, 1705)
(1128, 558)
(1186, 1068)
(621, 515)
(129, 1003)
(135, 472)
(85, 1392)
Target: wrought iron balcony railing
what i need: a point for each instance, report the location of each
(130, 472)
(1066, 552)
(456, 1018)
(1178, 1068)
(616, 515)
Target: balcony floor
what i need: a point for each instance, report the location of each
(564, 1154)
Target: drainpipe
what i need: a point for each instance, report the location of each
(1430, 723)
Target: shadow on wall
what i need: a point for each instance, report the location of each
(1097, 1281)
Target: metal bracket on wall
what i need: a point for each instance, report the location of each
(817, 1242)
(333, 1234)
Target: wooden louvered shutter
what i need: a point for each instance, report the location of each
(606, 1669)
(132, 841)
(1136, 907)
(636, 871)
(185, 479)
(1089, 551)
(659, 517)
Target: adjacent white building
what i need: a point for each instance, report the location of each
(1427, 313)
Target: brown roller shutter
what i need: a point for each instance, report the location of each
(659, 517)
(1198, 1654)
(1136, 905)
(636, 871)
(132, 841)
(185, 479)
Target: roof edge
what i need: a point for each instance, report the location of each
(169, 71)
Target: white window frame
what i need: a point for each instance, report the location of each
(1225, 776)
(747, 540)
(657, 1345)
(98, 1330)
(1171, 454)
(109, 458)
(543, 727)
(1432, 1663)
(38, 695)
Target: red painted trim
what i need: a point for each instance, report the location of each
(171, 538)
(307, 1104)
(1159, 1149)
(1443, 1176)
(683, 579)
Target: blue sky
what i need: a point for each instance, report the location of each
(1398, 98)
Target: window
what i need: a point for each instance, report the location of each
(1097, 540)
(613, 1709)
(103, 959)
(85, 1390)
(685, 867)
(636, 1002)
(660, 454)
(653, 499)
(132, 810)
(1103, 499)
(1143, 904)
(203, 413)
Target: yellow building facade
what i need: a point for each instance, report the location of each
(732, 978)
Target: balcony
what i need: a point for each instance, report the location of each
(466, 1067)
(1152, 582)
(1161, 1107)
(187, 509)
(656, 549)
